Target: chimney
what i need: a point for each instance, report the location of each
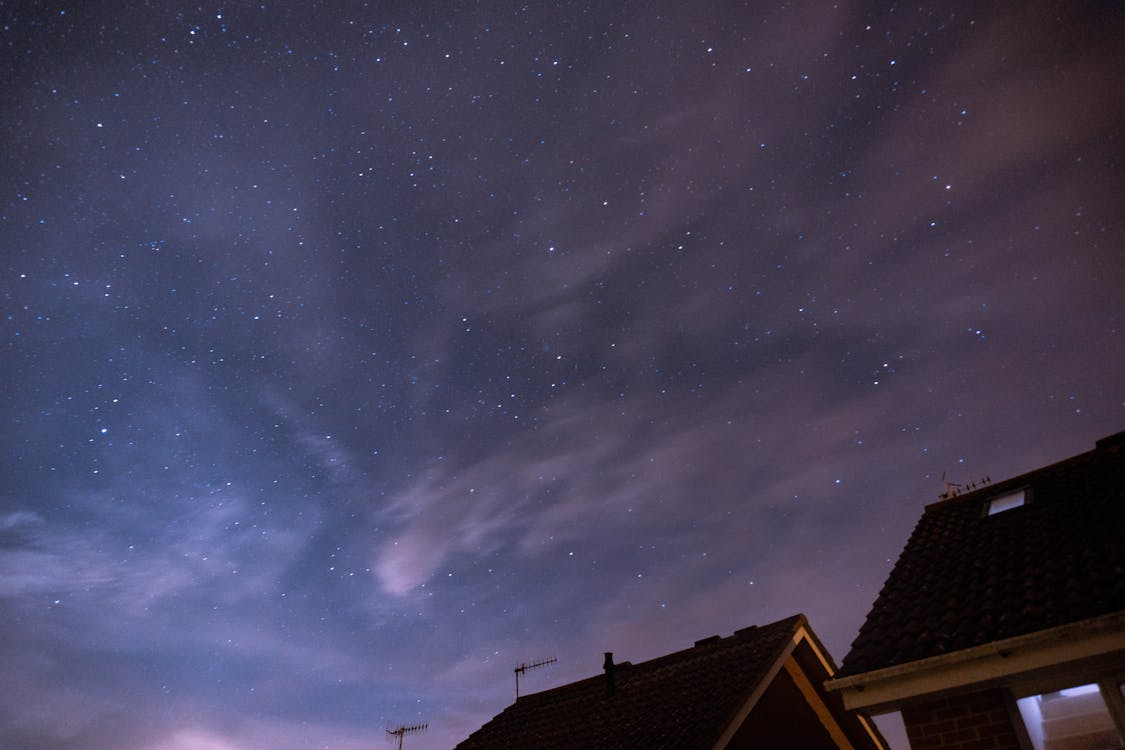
(609, 667)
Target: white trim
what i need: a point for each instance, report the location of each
(801, 635)
(805, 634)
(823, 713)
(1015, 718)
(830, 669)
(1111, 694)
(756, 695)
(992, 663)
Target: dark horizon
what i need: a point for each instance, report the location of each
(355, 354)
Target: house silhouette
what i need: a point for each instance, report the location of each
(1002, 625)
(761, 687)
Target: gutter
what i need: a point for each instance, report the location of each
(885, 689)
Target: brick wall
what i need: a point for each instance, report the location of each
(978, 721)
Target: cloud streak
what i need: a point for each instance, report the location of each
(351, 359)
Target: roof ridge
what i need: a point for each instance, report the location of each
(1110, 444)
(715, 679)
(792, 623)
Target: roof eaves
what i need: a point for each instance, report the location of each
(1105, 445)
(1096, 636)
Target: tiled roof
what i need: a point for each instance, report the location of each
(683, 700)
(967, 578)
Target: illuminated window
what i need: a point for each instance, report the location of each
(1006, 502)
(1072, 719)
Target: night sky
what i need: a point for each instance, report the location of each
(354, 353)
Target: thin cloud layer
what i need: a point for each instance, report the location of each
(353, 358)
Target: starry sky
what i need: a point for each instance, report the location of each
(354, 353)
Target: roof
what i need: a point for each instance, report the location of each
(967, 578)
(682, 700)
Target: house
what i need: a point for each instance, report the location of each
(761, 687)
(1002, 625)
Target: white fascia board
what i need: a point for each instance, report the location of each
(994, 663)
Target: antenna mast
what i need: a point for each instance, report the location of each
(952, 489)
(405, 729)
(524, 666)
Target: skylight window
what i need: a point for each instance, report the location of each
(1006, 502)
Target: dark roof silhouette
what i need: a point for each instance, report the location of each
(683, 700)
(967, 578)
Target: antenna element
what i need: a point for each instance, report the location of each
(953, 489)
(524, 666)
(404, 729)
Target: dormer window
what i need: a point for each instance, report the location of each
(1007, 502)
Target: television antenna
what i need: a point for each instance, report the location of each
(953, 489)
(525, 666)
(405, 729)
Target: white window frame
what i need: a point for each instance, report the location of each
(1109, 686)
(1024, 494)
